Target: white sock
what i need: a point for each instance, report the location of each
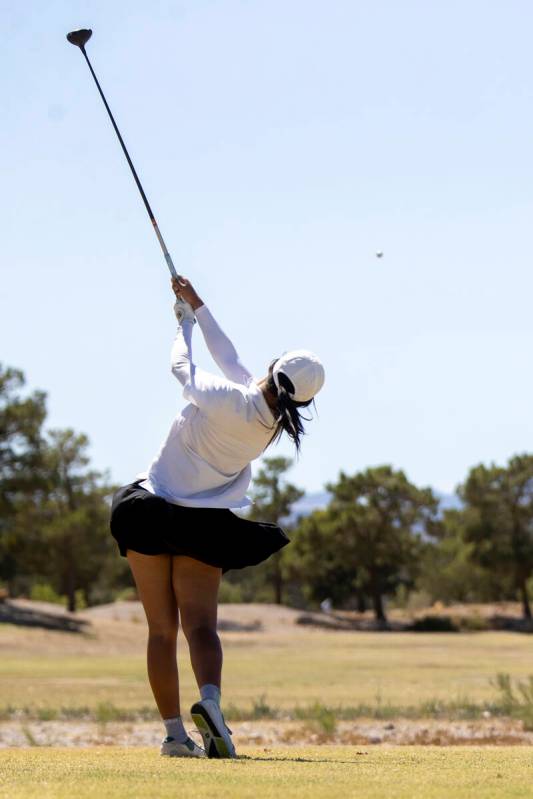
(210, 691)
(175, 729)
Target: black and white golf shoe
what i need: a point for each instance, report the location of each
(215, 733)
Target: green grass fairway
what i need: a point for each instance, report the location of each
(293, 773)
(298, 667)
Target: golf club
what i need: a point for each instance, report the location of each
(80, 39)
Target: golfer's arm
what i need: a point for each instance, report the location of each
(181, 354)
(222, 350)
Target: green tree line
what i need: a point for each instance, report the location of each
(54, 508)
(380, 539)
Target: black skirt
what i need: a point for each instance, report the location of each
(151, 525)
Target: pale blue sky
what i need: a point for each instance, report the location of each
(281, 144)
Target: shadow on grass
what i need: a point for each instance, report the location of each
(227, 626)
(429, 623)
(297, 759)
(26, 617)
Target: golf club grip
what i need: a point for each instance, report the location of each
(166, 253)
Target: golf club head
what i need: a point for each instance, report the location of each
(79, 38)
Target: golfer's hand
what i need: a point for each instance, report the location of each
(184, 290)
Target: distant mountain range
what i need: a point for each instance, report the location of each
(318, 500)
(310, 502)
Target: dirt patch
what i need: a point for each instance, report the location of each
(120, 628)
(255, 617)
(230, 617)
(272, 618)
(272, 733)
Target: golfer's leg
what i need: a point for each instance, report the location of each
(153, 577)
(196, 589)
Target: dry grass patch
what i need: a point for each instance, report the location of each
(287, 665)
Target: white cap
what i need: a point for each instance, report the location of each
(304, 370)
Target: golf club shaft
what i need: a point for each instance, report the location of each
(160, 239)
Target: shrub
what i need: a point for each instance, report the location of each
(47, 713)
(516, 700)
(106, 711)
(473, 624)
(127, 595)
(230, 593)
(43, 592)
(323, 717)
(434, 624)
(261, 709)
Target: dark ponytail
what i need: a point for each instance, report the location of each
(289, 419)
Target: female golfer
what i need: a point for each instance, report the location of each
(174, 523)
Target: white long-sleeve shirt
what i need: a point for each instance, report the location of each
(205, 460)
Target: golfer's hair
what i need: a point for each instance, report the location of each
(289, 419)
